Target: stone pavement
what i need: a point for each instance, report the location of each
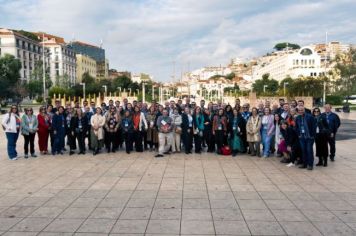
(119, 194)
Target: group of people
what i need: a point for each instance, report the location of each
(288, 130)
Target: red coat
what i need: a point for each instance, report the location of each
(43, 123)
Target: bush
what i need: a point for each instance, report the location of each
(335, 99)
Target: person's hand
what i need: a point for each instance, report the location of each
(72, 133)
(54, 132)
(213, 132)
(289, 148)
(331, 135)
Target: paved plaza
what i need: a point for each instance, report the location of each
(120, 194)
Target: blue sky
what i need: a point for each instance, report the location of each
(149, 35)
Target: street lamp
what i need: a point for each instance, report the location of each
(83, 84)
(284, 88)
(143, 92)
(119, 88)
(153, 92)
(106, 89)
(264, 88)
(129, 92)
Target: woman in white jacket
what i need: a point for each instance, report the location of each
(97, 123)
(11, 123)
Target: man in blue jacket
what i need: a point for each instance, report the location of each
(306, 129)
(334, 124)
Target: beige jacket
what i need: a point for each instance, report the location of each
(253, 128)
(98, 121)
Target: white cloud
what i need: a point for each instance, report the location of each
(148, 35)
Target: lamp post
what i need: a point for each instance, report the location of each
(143, 92)
(129, 92)
(153, 92)
(284, 88)
(83, 84)
(119, 88)
(44, 69)
(106, 89)
(264, 88)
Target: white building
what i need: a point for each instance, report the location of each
(62, 58)
(292, 63)
(27, 50)
(206, 72)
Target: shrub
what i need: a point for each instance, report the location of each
(335, 99)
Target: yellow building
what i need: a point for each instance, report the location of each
(85, 64)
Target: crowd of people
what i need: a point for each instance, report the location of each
(287, 130)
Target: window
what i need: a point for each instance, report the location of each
(17, 43)
(57, 65)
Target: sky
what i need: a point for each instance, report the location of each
(156, 36)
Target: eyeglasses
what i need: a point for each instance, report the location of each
(316, 111)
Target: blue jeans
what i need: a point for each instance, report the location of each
(11, 144)
(266, 142)
(58, 143)
(306, 145)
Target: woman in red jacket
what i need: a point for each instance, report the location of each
(43, 130)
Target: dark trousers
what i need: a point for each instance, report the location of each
(58, 142)
(209, 140)
(11, 144)
(111, 142)
(137, 136)
(219, 139)
(128, 141)
(81, 141)
(51, 137)
(71, 141)
(118, 138)
(144, 137)
(29, 139)
(87, 135)
(187, 141)
(331, 141)
(197, 142)
(307, 151)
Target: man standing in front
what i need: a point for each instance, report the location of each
(306, 129)
(334, 124)
(165, 135)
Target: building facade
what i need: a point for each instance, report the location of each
(97, 53)
(292, 63)
(85, 64)
(28, 51)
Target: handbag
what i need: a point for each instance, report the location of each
(178, 130)
(225, 151)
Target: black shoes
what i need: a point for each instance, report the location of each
(332, 158)
(310, 168)
(71, 153)
(303, 167)
(159, 155)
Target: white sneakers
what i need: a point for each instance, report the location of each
(290, 164)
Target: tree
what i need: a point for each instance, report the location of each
(34, 87)
(308, 86)
(265, 84)
(346, 68)
(281, 46)
(123, 82)
(9, 75)
(289, 84)
(230, 76)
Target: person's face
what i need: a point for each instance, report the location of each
(127, 113)
(300, 104)
(301, 110)
(165, 113)
(327, 108)
(58, 104)
(111, 103)
(235, 112)
(79, 112)
(175, 112)
(281, 102)
(125, 100)
(98, 111)
(61, 110)
(276, 117)
(129, 106)
(244, 108)
(202, 103)
(198, 110)
(266, 111)
(228, 108)
(268, 104)
(92, 104)
(117, 103)
(137, 109)
(284, 126)
(85, 104)
(286, 107)
(221, 112)
(254, 112)
(294, 103)
(293, 112)
(49, 109)
(237, 101)
(316, 112)
(29, 111)
(87, 109)
(113, 110)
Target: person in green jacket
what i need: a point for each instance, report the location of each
(29, 127)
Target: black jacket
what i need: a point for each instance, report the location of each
(74, 124)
